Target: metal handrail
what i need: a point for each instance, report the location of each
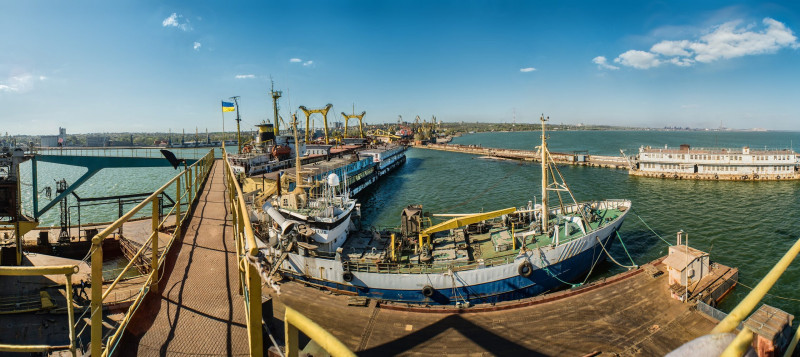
(295, 322)
(743, 340)
(249, 273)
(194, 176)
(67, 271)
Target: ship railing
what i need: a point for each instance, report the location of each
(67, 271)
(250, 283)
(743, 340)
(187, 185)
(408, 268)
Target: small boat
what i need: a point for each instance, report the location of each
(488, 257)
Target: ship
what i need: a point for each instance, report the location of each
(739, 164)
(488, 257)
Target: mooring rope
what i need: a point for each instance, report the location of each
(612, 258)
(626, 249)
(648, 227)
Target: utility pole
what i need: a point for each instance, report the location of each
(238, 119)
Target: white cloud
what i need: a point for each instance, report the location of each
(602, 63)
(295, 60)
(638, 59)
(245, 76)
(172, 20)
(197, 46)
(307, 63)
(671, 48)
(178, 21)
(527, 69)
(729, 40)
(19, 83)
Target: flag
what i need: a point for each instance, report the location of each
(227, 107)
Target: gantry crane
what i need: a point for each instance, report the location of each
(324, 112)
(360, 118)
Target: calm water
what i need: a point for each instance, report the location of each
(748, 225)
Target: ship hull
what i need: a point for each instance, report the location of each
(552, 268)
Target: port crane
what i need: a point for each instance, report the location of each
(324, 112)
(360, 118)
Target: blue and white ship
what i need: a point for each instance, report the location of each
(508, 254)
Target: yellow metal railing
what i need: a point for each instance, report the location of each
(246, 249)
(745, 337)
(250, 282)
(67, 271)
(294, 322)
(187, 185)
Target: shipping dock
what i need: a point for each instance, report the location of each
(202, 296)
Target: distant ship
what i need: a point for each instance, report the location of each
(487, 257)
(685, 162)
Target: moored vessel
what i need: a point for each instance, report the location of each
(488, 257)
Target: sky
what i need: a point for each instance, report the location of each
(145, 66)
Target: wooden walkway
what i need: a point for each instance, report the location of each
(199, 310)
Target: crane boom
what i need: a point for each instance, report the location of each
(461, 221)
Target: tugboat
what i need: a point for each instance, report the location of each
(506, 254)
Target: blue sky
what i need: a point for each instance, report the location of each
(107, 66)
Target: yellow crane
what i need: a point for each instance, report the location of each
(323, 111)
(460, 221)
(360, 118)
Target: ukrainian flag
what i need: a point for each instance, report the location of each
(227, 107)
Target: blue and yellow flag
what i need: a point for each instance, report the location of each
(227, 107)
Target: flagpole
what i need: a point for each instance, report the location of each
(222, 110)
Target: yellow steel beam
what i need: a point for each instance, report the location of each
(32, 271)
(295, 321)
(465, 221)
(746, 306)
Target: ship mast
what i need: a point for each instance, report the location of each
(543, 150)
(297, 166)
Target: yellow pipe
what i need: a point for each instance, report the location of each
(32, 271)
(731, 322)
(296, 321)
(248, 228)
(739, 345)
(24, 348)
(154, 247)
(97, 296)
(254, 311)
(178, 218)
(394, 257)
(70, 315)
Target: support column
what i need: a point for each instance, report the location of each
(97, 296)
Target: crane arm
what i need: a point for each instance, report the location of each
(465, 221)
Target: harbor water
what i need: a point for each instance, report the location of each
(748, 225)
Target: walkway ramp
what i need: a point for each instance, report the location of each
(199, 310)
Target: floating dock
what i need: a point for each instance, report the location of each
(632, 313)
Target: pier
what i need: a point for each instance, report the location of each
(576, 158)
(204, 295)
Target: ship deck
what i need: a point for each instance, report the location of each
(369, 251)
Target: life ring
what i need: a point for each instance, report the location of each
(525, 269)
(716, 177)
(755, 176)
(428, 291)
(744, 177)
(778, 177)
(347, 276)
